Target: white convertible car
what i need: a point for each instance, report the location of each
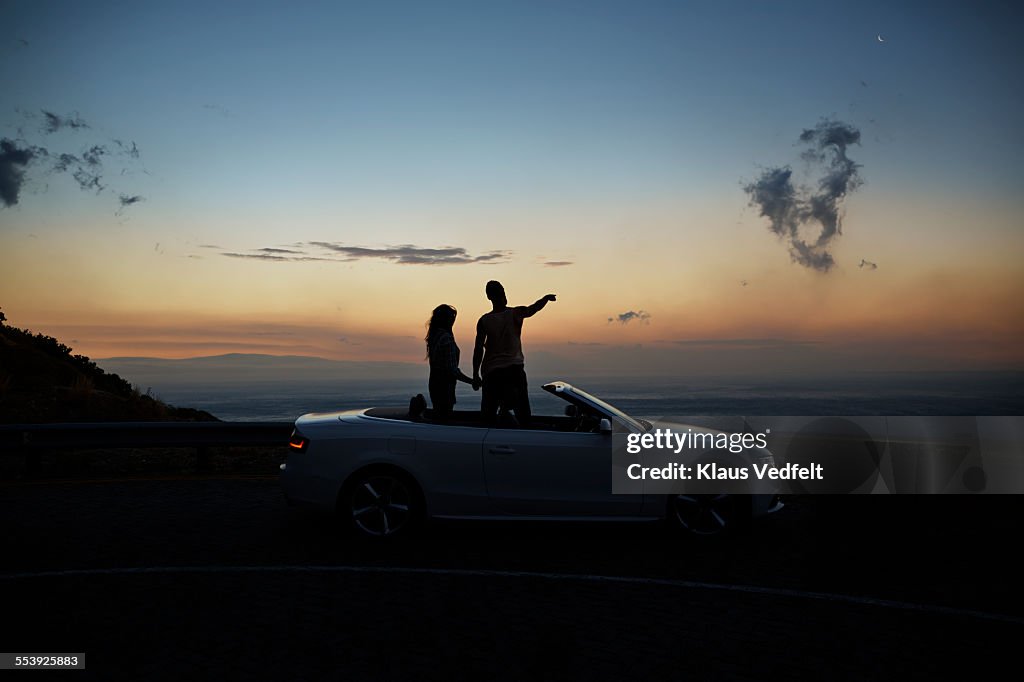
(385, 471)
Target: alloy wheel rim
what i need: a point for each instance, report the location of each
(381, 505)
(703, 514)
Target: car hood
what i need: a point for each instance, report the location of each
(316, 418)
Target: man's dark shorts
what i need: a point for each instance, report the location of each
(506, 387)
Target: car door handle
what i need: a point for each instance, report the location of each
(502, 450)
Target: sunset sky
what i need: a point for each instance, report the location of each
(313, 178)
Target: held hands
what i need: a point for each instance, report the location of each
(477, 383)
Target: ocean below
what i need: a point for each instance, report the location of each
(940, 394)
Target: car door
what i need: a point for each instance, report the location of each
(552, 473)
(449, 468)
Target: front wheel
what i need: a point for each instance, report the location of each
(381, 504)
(708, 515)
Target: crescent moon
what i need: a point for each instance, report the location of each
(881, 39)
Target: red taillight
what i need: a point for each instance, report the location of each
(298, 443)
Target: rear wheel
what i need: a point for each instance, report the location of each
(709, 515)
(381, 504)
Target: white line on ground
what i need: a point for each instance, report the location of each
(482, 573)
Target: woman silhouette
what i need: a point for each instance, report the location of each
(443, 354)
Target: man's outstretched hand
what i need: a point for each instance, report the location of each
(549, 297)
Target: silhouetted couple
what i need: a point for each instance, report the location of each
(498, 362)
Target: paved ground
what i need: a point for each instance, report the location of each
(183, 578)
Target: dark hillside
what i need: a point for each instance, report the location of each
(42, 381)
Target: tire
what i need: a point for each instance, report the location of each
(707, 516)
(381, 504)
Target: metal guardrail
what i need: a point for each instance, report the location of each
(29, 440)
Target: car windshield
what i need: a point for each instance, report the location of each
(638, 424)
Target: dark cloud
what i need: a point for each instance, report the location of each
(129, 151)
(255, 256)
(88, 170)
(641, 316)
(87, 166)
(88, 179)
(408, 254)
(126, 201)
(275, 257)
(14, 159)
(557, 263)
(93, 155)
(790, 210)
(867, 264)
(64, 162)
(52, 122)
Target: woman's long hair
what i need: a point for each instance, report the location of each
(441, 320)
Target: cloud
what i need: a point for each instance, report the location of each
(52, 122)
(557, 263)
(132, 152)
(64, 162)
(790, 209)
(408, 254)
(86, 169)
(87, 166)
(127, 201)
(13, 162)
(641, 316)
(274, 257)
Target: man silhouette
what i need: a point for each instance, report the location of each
(499, 354)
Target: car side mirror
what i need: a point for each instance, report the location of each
(606, 425)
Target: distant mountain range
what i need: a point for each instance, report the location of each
(246, 368)
(240, 368)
